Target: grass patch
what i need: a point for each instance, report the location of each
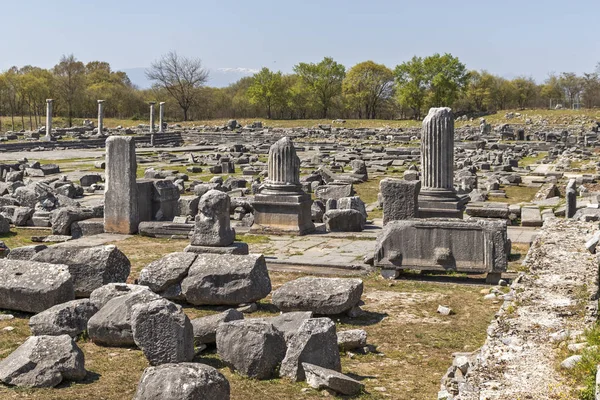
(516, 194)
(19, 237)
(583, 376)
(253, 239)
(414, 343)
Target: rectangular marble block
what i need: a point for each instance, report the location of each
(285, 214)
(121, 195)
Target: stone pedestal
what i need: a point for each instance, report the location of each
(289, 214)
(438, 199)
(282, 206)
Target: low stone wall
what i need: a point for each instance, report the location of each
(553, 303)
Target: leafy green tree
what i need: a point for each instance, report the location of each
(480, 89)
(70, 83)
(267, 90)
(324, 81)
(525, 91)
(367, 85)
(411, 84)
(446, 77)
(571, 85)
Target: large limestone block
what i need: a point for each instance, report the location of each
(215, 279)
(344, 221)
(104, 294)
(33, 286)
(400, 199)
(254, 348)
(68, 318)
(163, 332)
(43, 361)
(205, 328)
(314, 343)
(111, 326)
(185, 381)
(324, 378)
(91, 267)
(159, 275)
(324, 296)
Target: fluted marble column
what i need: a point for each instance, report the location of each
(283, 166)
(100, 116)
(438, 197)
(437, 150)
(152, 103)
(49, 118)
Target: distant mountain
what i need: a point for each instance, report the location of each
(219, 77)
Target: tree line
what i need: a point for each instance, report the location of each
(326, 89)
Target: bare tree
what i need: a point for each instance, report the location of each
(180, 76)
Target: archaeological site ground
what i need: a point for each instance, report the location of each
(448, 258)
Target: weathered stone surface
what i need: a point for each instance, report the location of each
(163, 332)
(335, 192)
(289, 323)
(352, 339)
(167, 271)
(26, 252)
(324, 378)
(63, 218)
(212, 224)
(205, 328)
(121, 195)
(89, 227)
(344, 221)
(43, 361)
(4, 225)
(90, 179)
(91, 267)
(571, 196)
(226, 280)
(531, 216)
(104, 294)
(185, 381)
(400, 199)
(68, 318)
(253, 348)
(488, 210)
(315, 342)
(33, 286)
(324, 296)
(477, 245)
(111, 326)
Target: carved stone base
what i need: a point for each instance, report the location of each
(282, 214)
(240, 248)
(441, 204)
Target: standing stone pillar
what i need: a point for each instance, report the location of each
(100, 116)
(152, 103)
(438, 198)
(161, 116)
(121, 213)
(282, 206)
(48, 136)
(571, 198)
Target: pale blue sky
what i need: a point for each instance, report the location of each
(506, 37)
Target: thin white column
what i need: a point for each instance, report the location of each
(100, 115)
(152, 103)
(48, 118)
(161, 115)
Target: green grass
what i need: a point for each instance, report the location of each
(516, 194)
(583, 376)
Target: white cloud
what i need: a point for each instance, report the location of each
(239, 70)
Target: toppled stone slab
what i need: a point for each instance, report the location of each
(323, 296)
(324, 378)
(33, 286)
(91, 267)
(253, 347)
(226, 280)
(43, 361)
(185, 381)
(68, 318)
(205, 328)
